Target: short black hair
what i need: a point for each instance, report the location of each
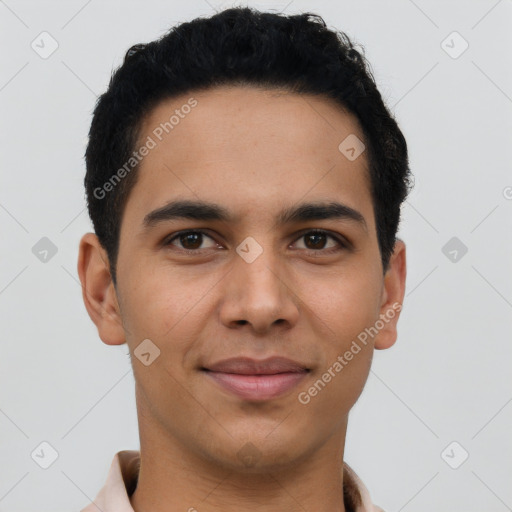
(241, 46)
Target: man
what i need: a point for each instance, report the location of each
(244, 179)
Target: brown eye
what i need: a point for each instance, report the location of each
(190, 241)
(316, 240)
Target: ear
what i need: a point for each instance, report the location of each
(393, 292)
(98, 290)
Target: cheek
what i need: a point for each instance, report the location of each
(346, 309)
(154, 298)
(171, 310)
(345, 305)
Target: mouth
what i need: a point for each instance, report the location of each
(255, 380)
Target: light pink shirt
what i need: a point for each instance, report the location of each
(121, 482)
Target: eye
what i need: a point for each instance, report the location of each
(316, 241)
(191, 240)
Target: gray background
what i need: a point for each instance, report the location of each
(448, 377)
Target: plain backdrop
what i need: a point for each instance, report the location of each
(441, 394)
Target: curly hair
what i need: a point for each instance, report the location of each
(243, 46)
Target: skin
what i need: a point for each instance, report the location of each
(252, 151)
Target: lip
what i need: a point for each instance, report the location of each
(252, 379)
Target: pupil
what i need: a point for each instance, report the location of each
(189, 236)
(317, 236)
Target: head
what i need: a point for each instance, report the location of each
(250, 114)
(296, 53)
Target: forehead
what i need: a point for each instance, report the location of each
(250, 147)
(258, 116)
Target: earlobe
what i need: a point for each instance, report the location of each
(392, 297)
(98, 291)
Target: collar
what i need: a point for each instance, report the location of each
(122, 477)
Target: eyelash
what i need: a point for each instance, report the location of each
(343, 245)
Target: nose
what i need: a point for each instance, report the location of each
(257, 294)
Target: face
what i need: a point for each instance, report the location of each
(249, 273)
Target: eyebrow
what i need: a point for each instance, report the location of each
(206, 211)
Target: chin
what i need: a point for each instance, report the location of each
(254, 453)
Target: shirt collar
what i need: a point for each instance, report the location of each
(121, 482)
